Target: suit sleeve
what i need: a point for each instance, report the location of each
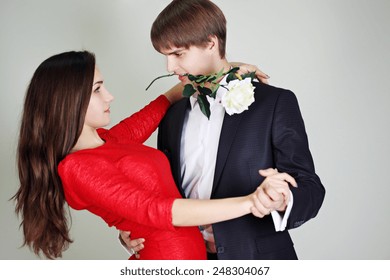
(103, 189)
(292, 155)
(140, 126)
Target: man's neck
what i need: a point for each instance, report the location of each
(222, 64)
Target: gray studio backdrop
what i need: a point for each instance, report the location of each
(333, 54)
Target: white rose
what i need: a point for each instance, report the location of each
(239, 97)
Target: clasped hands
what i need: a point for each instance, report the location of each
(273, 193)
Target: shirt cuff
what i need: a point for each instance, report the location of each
(280, 221)
(124, 245)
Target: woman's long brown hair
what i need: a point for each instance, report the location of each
(53, 116)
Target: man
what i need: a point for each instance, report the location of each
(221, 156)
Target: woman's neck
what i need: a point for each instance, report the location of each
(88, 139)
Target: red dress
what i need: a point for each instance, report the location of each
(130, 186)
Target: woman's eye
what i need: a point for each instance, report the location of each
(97, 89)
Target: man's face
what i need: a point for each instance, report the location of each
(193, 60)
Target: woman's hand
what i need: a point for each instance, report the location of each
(133, 245)
(248, 68)
(175, 93)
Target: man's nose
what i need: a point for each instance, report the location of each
(171, 64)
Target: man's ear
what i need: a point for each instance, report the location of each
(213, 43)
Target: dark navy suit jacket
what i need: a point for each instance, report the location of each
(270, 134)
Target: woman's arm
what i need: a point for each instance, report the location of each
(103, 186)
(139, 126)
(175, 93)
(194, 212)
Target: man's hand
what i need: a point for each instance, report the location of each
(134, 246)
(273, 193)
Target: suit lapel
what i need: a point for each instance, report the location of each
(177, 129)
(228, 134)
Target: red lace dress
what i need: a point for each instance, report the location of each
(130, 186)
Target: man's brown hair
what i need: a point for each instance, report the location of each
(185, 23)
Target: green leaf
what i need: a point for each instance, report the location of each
(189, 90)
(204, 105)
(204, 90)
(233, 70)
(201, 79)
(214, 91)
(219, 74)
(192, 78)
(231, 77)
(251, 75)
(211, 79)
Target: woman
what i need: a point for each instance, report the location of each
(65, 155)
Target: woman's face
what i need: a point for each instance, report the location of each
(98, 112)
